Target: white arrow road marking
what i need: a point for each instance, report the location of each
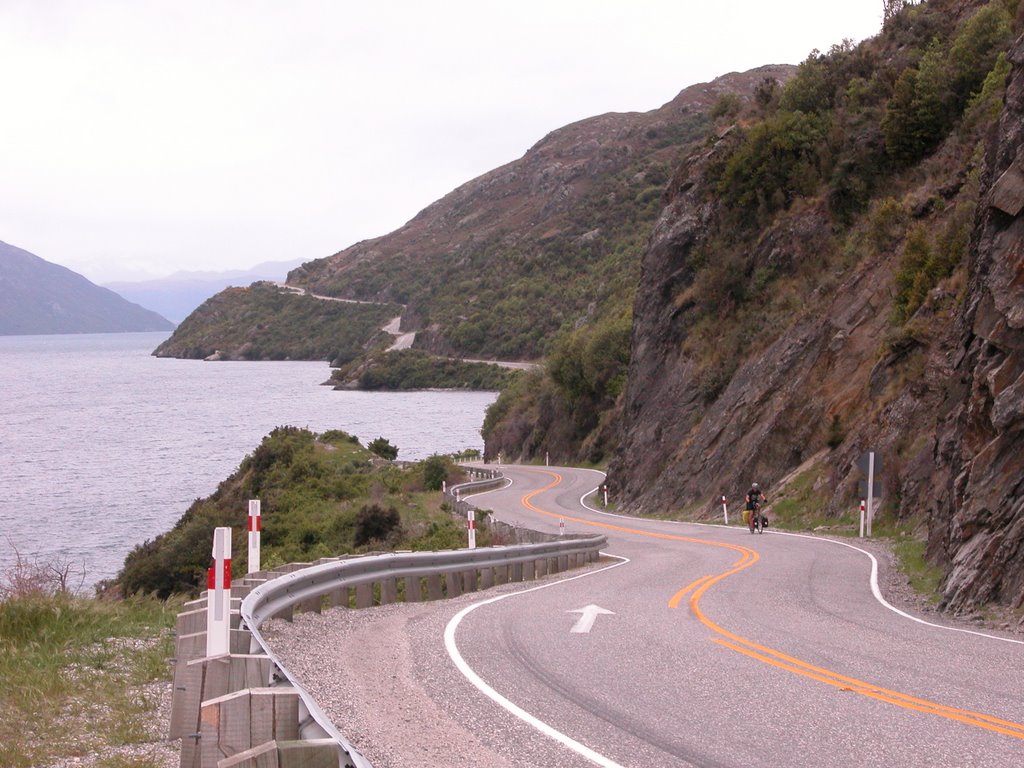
(590, 614)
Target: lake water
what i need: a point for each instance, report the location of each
(103, 446)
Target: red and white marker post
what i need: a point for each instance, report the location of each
(471, 527)
(255, 526)
(561, 526)
(218, 595)
(725, 510)
(862, 510)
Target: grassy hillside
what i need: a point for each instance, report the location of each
(322, 496)
(264, 322)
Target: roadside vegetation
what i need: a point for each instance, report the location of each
(322, 495)
(83, 676)
(79, 673)
(407, 369)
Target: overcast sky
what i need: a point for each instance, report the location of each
(142, 137)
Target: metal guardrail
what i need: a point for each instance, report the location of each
(280, 595)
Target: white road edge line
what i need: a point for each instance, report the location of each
(522, 714)
(875, 590)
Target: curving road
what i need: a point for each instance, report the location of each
(708, 646)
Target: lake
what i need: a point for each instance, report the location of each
(103, 446)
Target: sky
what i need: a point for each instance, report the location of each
(140, 138)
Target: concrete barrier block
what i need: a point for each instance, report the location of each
(314, 753)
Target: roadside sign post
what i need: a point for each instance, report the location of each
(218, 595)
(255, 526)
(871, 464)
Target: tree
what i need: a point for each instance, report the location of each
(891, 8)
(384, 449)
(435, 472)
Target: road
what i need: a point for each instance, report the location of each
(730, 649)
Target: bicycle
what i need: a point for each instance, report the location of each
(757, 520)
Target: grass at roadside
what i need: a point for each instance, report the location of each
(75, 671)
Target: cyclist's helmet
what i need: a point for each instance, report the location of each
(756, 487)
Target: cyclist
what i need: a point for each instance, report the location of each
(755, 498)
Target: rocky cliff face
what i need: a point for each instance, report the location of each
(977, 524)
(819, 378)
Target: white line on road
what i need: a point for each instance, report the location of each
(522, 714)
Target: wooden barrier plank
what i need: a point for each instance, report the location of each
(413, 589)
(434, 590)
(486, 578)
(364, 595)
(263, 756)
(389, 591)
(452, 584)
(314, 753)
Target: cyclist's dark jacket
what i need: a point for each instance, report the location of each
(754, 498)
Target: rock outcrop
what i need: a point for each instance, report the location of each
(939, 395)
(977, 528)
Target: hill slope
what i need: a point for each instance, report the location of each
(37, 297)
(845, 275)
(495, 269)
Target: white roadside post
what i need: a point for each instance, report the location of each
(471, 526)
(605, 489)
(725, 510)
(444, 486)
(862, 518)
(871, 490)
(561, 526)
(255, 526)
(218, 595)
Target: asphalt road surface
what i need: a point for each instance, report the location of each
(710, 646)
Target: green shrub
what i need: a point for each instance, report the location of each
(435, 471)
(375, 523)
(779, 159)
(383, 448)
(929, 98)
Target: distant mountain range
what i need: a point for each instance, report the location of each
(39, 297)
(177, 295)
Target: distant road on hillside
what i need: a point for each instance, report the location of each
(405, 340)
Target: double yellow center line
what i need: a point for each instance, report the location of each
(735, 642)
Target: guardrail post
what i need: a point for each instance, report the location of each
(218, 601)
(255, 526)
